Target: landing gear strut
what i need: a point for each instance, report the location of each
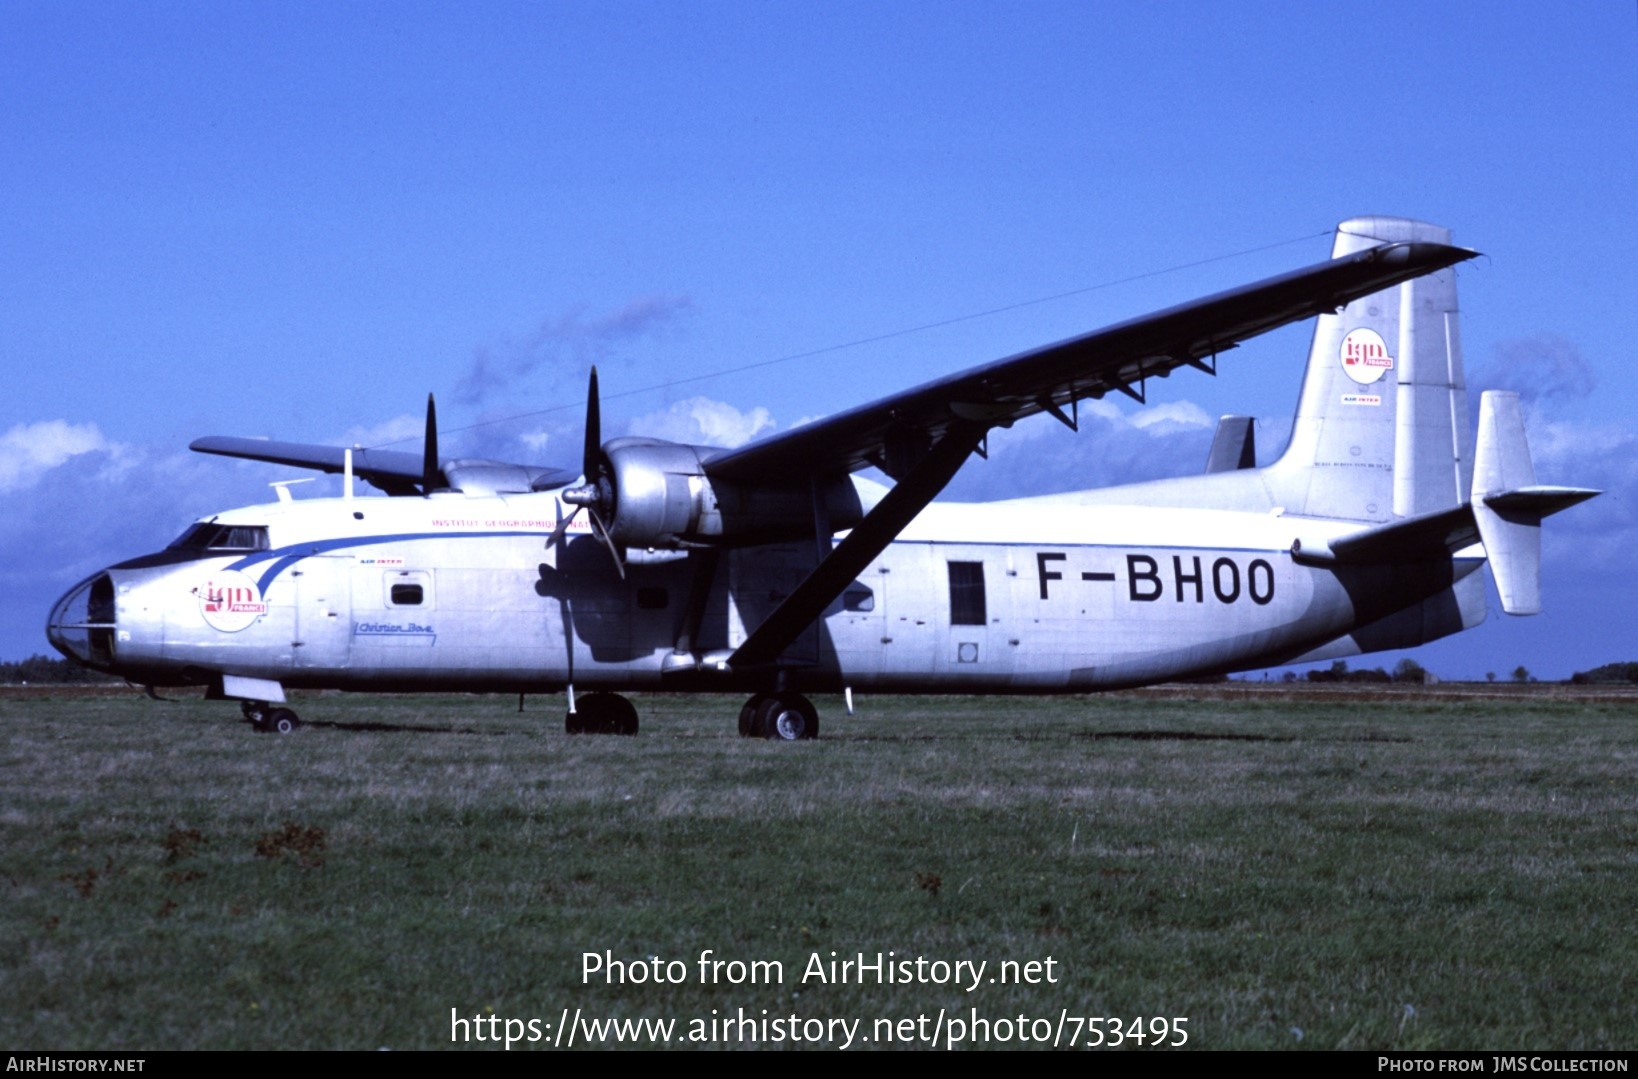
(601, 713)
(267, 719)
(787, 717)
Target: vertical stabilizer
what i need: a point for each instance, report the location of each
(1512, 541)
(1508, 505)
(1381, 429)
(1234, 447)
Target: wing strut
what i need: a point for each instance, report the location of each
(867, 540)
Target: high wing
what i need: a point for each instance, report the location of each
(894, 432)
(394, 472)
(922, 436)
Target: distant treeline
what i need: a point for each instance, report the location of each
(1608, 673)
(1364, 674)
(43, 670)
(1408, 670)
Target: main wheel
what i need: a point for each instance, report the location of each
(622, 715)
(602, 713)
(787, 717)
(279, 721)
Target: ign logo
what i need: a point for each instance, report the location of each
(230, 601)
(1365, 356)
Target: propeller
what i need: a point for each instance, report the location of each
(431, 474)
(596, 494)
(594, 427)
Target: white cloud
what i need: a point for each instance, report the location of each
(1572, 447)
(1537, 368)
(566, 345)
(28, 451)
(408, 429)
(1181, 413)
(1112, 447)
(703, 421)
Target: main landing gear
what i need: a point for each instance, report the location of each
(783, 717)
(786, 717)
(267, 719)
(601, 713)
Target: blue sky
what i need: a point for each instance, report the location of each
(297, 219)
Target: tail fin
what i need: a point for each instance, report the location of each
(1381, 431)
(1235, 445)
(1508, 505)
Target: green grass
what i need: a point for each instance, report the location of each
(1391, 871)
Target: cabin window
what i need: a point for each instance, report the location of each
(653, 599)
(409, 588)
(967, 594)
(858, 598)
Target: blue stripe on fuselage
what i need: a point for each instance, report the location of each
(283, 558)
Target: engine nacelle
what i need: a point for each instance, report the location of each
(655, 494)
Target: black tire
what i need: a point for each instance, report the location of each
(622, 715)
(747, 717)
(603, 713)
(281, 721)
(574, 722)
(787, 717)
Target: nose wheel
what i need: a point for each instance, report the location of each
(266, 719)
(784, 717)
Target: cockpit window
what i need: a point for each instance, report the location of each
(209, 536)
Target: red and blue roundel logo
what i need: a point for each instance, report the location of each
(1365, 355)
(230, 601)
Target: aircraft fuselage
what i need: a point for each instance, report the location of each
(488, 594)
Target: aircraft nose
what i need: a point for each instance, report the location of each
(81, 625)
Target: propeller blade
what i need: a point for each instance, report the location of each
(602, 533)
(595, 493)
(429, 458)
(594, 429)
(562, 527)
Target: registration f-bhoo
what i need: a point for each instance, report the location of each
(774, 570)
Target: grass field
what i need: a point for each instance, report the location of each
(1286, 869)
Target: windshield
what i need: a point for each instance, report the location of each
(208, 536)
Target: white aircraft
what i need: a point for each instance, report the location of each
(694, 567)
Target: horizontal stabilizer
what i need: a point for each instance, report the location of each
(1428, 537)
(1508, 506)
(1539, 501)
